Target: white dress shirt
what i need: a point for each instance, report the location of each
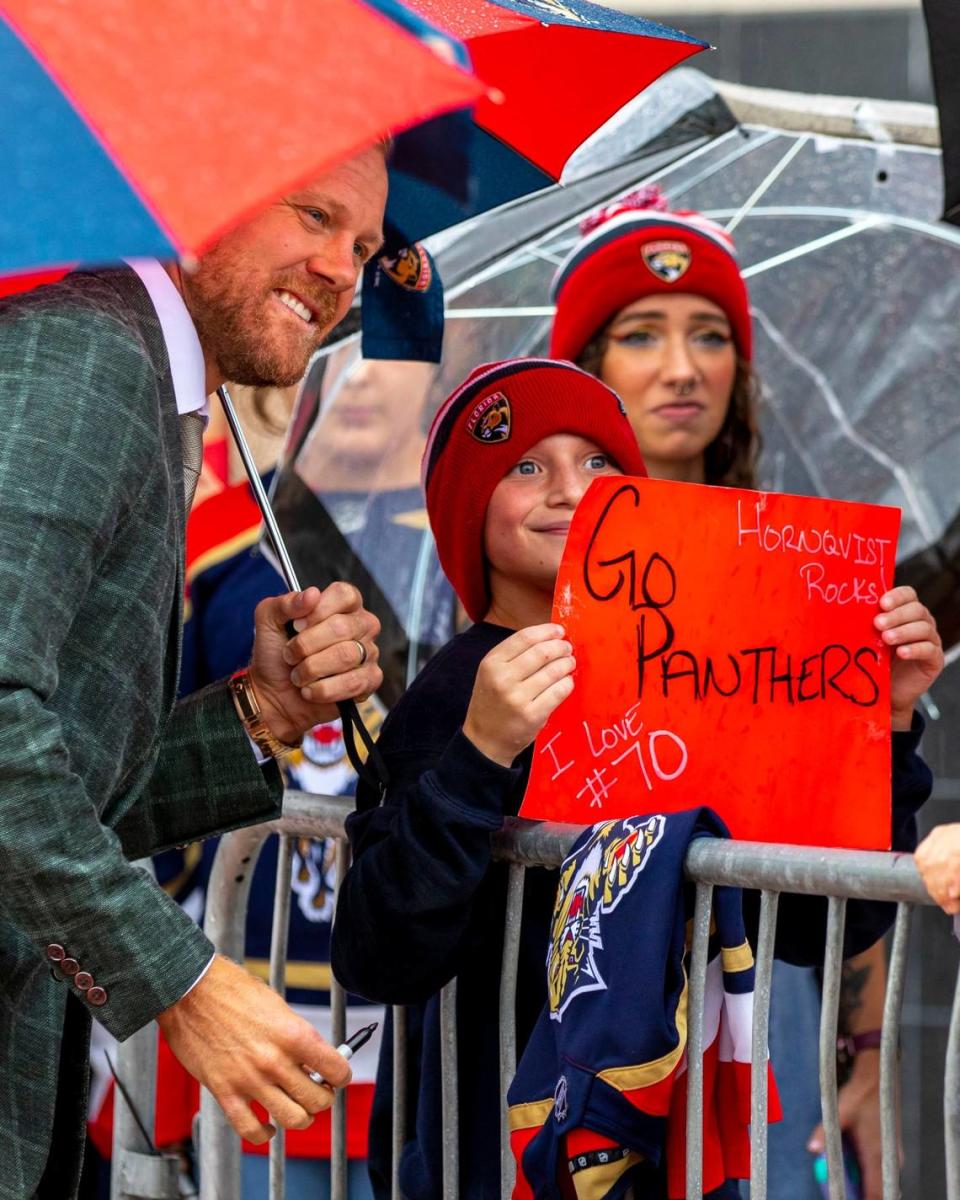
(187, 367)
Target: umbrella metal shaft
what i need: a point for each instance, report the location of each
(374, 769)
(263, 502)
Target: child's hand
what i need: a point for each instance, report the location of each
(938, 861)
(910, 631)
(518, 686)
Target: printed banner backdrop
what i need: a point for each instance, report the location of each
(726, 655)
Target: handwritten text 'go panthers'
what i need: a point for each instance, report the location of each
(769, 674)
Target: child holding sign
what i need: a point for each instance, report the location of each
(510, 454)
(653, 303)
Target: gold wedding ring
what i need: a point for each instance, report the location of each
(363, 652)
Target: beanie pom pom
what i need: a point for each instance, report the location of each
(649, 198)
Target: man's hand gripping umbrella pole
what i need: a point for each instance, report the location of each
(372, 770)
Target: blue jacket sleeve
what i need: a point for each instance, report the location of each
(407, 901)
(802, 920)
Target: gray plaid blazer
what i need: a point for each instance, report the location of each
(98, 765)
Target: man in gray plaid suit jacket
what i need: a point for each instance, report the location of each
(98, 765)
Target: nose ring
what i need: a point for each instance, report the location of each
(685, 388)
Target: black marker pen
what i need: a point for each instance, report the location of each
(349, 1048)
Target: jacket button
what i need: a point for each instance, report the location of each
(56, 953)
(83, 980)
(97, 996)
(69, 966)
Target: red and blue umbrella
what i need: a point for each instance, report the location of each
(557, 70)
(149, 129)
(132, 128)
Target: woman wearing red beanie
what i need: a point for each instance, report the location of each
(509, 456)
(653, 303)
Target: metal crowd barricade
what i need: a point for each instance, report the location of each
(837, 874)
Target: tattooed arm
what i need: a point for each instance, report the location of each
(862, 988)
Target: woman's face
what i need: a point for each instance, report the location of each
(673, 362)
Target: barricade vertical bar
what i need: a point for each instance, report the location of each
(889, 1041)
(951, 1100)
(766, 937)
(224, 924)
(449, 1091)
(279, 937)
(219, 1152)
(695, 1001)
(135, 1168)
(832, 966)
(399, 1128)
(508, 1016)
(338, 1023)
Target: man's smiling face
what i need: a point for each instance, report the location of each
(265, 296)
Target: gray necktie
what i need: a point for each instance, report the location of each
(191, 447)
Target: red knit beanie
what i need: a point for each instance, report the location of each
(634, 248)
(484, 428)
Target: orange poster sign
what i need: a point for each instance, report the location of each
(726, 655)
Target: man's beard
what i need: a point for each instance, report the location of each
(229, 325)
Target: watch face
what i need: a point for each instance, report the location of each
(248, 710)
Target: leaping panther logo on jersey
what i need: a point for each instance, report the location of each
(313, 878)
(592, 883)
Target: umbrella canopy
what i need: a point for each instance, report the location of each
(149, 129)
(563, 68)
(557, 70)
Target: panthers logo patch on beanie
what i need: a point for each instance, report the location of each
(489, 421)
(667, 260)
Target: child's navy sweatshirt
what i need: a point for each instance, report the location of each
(424, 902)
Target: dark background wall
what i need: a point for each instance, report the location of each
(859, 51)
